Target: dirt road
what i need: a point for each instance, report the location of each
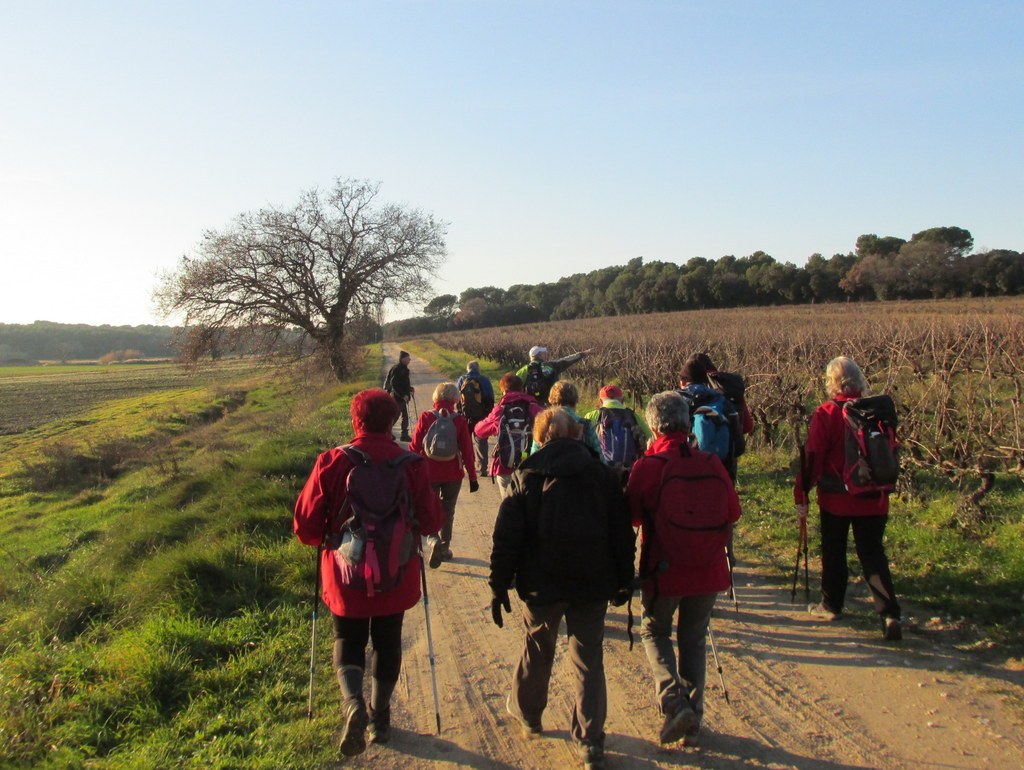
(803, 694)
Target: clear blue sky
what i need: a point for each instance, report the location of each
(554, 137)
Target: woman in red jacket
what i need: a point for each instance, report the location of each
(685, 503)
(445, 475)
(360, 615)
(825, 454)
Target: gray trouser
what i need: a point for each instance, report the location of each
(672, 681)
(448, 492)
(584, 622)
(481, 454)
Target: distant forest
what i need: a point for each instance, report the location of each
(47, 341)
(934, 263)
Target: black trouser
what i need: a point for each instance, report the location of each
(403, 408)
(867, 537)
(352, 634)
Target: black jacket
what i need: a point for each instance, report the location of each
(397, 382)
(564, 534)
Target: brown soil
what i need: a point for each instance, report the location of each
(802, 693)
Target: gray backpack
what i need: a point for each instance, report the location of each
(441, 441)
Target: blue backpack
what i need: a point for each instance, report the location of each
(619, 434)
(709, 412)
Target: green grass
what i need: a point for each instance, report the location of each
(161, 618)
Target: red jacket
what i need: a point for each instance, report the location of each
(321, 498)
(825, 455)
(489, 425)
(642, 494)
(445, 470)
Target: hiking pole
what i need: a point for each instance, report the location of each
(312, 642)
(796, 567)
(430, 644)
(807, 582)
(732, 583)
(718, 664)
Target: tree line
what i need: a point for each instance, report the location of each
(933, 263)
(49, 341)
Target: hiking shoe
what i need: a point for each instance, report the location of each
(822, 612)
(530, 729)
(593, 756)
(448, 555)
(437, 549)
(406, 438)
(679, 722)
(892, 629)
(353, 732)
(379, 729)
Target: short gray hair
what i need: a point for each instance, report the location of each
(473, 366)
(668, 412)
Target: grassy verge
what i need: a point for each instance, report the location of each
(161, 618)
(950, 582)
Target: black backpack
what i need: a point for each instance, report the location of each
(471, 399)
(538, 382)
(573, 542)
(514, 428)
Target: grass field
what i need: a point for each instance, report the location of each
(34, 395)
(159, 617)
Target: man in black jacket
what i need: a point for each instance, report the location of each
(564, 537)
(399, 386)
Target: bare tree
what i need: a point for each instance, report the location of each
(302, 274)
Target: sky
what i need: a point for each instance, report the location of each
(553, 137)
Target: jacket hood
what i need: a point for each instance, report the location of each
(561, 457)
(517, 395)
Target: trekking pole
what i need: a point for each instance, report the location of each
(807, 582)
(732, 583)
(312, 642)
(415, 409)
(796, 567)
(430, 644)
(718, 664)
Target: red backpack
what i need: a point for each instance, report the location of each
(379, 535)
(690, 524)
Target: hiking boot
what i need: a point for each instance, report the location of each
(892, 629)
(822, 612)
(353, 732)
(448, 555)
(406, 438)
(593, 756)
(530, 729)
(679, 722)
(436, 552)
(379, 729)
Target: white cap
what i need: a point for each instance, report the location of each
(536, 350)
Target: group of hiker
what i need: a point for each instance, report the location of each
(572, 489)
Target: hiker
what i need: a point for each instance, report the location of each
(716, 422)
(565, 395)
(622, 437)
(541, 373)
(324, 518)
(867, 515)
(685, 504)
(730, 384)
(563, 538)
(399, 386)
(511, 420)
(442, 436)
(476, 400)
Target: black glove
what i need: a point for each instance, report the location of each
(474, 485)
(622, 596)
(499, 599)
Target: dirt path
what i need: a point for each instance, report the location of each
(802, 694)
